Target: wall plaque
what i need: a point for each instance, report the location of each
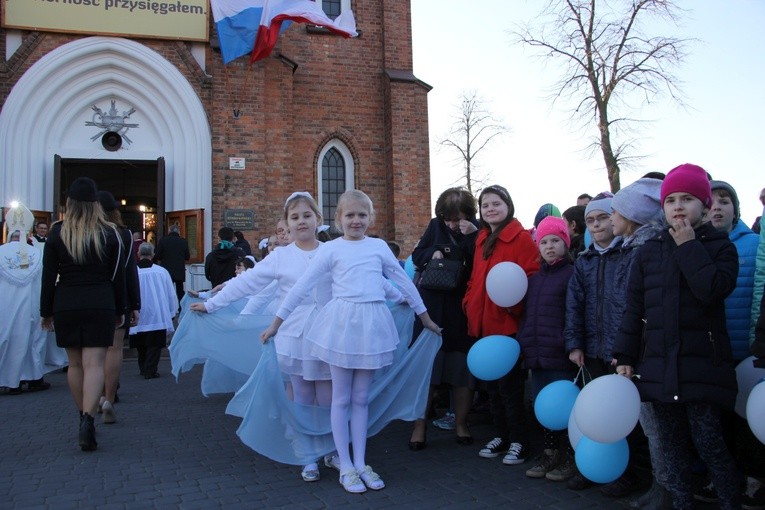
(239, 219)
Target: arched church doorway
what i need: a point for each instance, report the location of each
(138, 185)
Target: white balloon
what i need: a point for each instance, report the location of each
(506, 284)
(755, 411)
(608, 408)
(746, 377)
(574, 434)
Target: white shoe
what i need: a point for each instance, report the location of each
(332, 462)
(109, 416)
(311, 473)
(371, 479)
(352, 483)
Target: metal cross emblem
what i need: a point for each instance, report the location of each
(112, 121)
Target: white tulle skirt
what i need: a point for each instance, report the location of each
(294, 357)
(354, 335)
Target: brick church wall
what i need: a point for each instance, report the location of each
(279, 120)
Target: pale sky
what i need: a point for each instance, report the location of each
(467, 46)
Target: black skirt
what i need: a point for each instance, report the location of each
(84, 328)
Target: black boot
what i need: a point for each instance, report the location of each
(87, 433)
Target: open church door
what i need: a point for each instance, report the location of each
(161, 231)
(191, 223)
(57, 188)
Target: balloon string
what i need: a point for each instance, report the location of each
(582, 371)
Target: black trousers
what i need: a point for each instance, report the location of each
(507, 407)
(149, 345)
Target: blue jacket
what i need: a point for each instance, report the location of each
(541, 330)
(738, 306)
(673, 331)
(593, 304)
(759, 275)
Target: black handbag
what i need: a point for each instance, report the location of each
(442, 275)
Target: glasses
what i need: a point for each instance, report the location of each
(600, 218)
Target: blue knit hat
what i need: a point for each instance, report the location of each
(545, 211)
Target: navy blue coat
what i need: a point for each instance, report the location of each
(541, 330)
(593, 303)
(673, 331)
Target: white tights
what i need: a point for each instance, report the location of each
(311, 392)
(350, 395)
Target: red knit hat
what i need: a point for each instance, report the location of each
(690, 179)
(555, 226)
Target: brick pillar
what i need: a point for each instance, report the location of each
(406, 124)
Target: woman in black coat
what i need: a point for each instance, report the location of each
(450, 235)
(83, 296)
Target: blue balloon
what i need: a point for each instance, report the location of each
(554, 403)
(602, 462)
(493, 356)
(409, 267)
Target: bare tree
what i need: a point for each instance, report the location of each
(474, 127)
(609, 61)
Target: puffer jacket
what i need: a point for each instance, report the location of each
(673, 331)
(541, 331)
(592, 307)
(738, 306)
(759, 275)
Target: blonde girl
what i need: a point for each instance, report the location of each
(354, 333)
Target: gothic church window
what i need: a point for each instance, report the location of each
(335, 176)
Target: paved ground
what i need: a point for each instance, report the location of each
(173, 448)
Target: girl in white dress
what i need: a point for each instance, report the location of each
(354, 333)
(309, 376)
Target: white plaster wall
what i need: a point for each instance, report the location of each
(46, 111)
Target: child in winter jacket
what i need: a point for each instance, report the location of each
(673, 335)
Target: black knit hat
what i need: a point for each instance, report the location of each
(83, 189)
(107, 200)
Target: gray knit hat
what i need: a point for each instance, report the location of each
(601, 202)
(640, 202)
(732, 192)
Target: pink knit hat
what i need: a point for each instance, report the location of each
(555, 226)
(690, 179)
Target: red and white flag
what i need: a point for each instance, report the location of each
(275, 12)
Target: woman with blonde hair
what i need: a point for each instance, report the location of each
(83, 296)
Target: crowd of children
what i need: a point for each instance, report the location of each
(657, 282)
